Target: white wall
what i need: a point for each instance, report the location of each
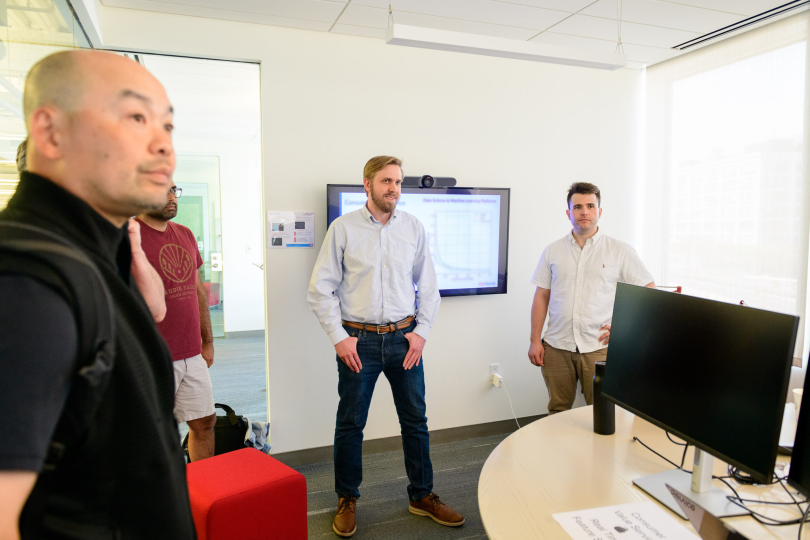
(329, 103)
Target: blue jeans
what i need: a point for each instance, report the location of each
(381, 353)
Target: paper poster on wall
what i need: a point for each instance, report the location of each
(633, 521)
(290, 230)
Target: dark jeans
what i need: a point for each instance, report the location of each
(381, 353)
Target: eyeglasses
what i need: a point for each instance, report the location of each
(176, 191)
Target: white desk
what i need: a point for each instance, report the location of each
(558, 464)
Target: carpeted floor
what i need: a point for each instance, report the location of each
(217, 321)
(238, 377)
(382, 510)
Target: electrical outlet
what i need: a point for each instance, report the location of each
(493, 369)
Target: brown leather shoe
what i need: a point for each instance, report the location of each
(432, 507)
(345, 523)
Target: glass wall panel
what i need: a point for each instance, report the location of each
(217, 139)
(29, 31)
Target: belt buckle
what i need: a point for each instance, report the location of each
(389, 328)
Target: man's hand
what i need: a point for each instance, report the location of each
(537, 353)
(15, 486)
(208, 353)
(605, 336)
(134, 231)
(149, 282)
(347, 352)
(416, 344)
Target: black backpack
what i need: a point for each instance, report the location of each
(229, 432)
(56, 262)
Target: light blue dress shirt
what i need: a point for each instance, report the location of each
(366, 272)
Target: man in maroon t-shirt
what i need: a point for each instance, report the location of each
(172, 251)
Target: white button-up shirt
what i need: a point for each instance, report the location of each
(366, 272)
(583, 287)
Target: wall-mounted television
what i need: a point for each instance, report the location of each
(467, 229)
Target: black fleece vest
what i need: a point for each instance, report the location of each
(125, 478)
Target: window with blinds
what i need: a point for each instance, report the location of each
(726, 183)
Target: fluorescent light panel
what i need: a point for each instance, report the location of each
(443, 40)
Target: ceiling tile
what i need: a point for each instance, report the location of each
(635, 53)
(359, 31)
(223, 14)
(365, 16)
(596, 27)
(650, 55)
(312, 10)
(576, 41)
(568, 6)
(741, 7)
(664, 14)
(378, 18)
(485, 11)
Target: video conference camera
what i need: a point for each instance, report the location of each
(428, 181)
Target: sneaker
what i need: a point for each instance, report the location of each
(345, 523)
(439, 512)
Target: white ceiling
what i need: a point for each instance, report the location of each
(650, 28)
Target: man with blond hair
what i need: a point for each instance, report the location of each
(90, 447)
(362, 291)
(576, 282)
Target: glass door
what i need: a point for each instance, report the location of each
(199, 210)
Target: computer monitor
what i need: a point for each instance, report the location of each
(799, 475)
(711, 373)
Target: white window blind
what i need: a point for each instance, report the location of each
(726, 184)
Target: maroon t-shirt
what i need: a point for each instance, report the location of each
(174, 254)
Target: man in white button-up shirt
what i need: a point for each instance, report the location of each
(576, 285)
(374, 290)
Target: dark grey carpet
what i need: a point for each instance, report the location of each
(238, 378)
(382, 510)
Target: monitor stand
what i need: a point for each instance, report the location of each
(697, 486)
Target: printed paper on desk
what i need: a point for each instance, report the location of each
(634, 521)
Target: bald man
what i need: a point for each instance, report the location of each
(99, 151)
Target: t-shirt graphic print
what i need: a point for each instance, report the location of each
(174, 254)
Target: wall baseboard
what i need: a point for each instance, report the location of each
(390, 444)
(245, 333)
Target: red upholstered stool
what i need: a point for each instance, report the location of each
(247, 494)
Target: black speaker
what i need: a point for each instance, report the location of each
(428, 181)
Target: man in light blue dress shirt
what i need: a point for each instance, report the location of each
(362, 291)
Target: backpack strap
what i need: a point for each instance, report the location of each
(228, 412)
(55, 261)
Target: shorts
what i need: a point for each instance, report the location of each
(193, 394)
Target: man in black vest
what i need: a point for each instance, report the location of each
(99, 151)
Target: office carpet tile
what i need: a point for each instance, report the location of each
(382, 510)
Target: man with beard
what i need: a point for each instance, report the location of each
(172, 250)
(576, 285)
(362, 291)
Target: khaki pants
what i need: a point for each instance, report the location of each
(562, 370)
